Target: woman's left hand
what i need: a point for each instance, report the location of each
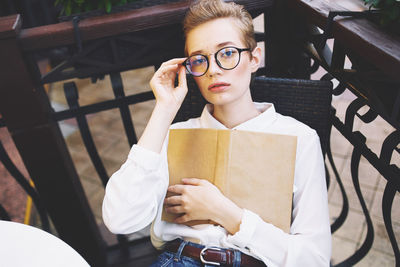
(198, 199)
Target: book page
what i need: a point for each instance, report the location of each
(191, 154)
(260, 176)
(222, 158)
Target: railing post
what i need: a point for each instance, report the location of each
(284, 53)
(27, 112)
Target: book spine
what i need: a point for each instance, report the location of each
(222, 159)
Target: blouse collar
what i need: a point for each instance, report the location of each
(261, 121)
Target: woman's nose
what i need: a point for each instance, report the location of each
(213, 68)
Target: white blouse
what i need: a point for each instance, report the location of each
(135, 194)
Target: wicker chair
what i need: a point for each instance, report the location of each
(305, 100)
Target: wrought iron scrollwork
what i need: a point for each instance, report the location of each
(382, 164)
(72, 96)
(392, 186)
(367, 84)
(118, 89)
(4, 214)
(23, 182)
(71, 93)
(367, 244)
(345, 207)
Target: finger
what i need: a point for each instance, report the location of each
(174, 61)
(173, 200)
(193, 181)
(169, 68)
(165, 74)
(182, 77)
(178, 209)
(178, 189)
(182, 219)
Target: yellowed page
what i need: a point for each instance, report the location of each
(261, 173)
(191, 154)
(222, 159)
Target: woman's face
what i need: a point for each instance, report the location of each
(219, 86)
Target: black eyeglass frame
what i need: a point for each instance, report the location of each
(185, 63)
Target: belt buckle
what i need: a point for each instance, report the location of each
(203, 251)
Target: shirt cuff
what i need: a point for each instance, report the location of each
(145, 158)
(247, 228)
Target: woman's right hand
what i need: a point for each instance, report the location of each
(168, 101)
(163, 85)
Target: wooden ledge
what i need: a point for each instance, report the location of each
(114, 24)
(360, 35)
(10, 26)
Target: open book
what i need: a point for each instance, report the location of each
(255, 170)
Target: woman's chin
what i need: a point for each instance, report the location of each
(219, 100)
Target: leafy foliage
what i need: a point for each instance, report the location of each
(389, 12)
(78, 6)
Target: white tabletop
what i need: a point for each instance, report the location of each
(24, 245)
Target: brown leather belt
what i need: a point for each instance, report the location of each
(213, 255)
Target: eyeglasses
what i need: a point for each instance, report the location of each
(227, 58)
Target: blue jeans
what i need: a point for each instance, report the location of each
(170, 259)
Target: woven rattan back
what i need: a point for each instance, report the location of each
(305, 100)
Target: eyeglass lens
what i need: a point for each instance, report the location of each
(197, 65)
(227, 58)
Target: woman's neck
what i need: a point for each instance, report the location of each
(235, 113)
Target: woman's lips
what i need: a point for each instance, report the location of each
(218, 87)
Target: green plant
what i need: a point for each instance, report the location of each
(389, 12)
(69, 7)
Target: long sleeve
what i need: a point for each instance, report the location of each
(309, 240)
(134, 192)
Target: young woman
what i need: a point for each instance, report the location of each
(221, 55)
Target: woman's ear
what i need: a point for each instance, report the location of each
(256, 60)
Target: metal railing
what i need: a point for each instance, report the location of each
(372, 88)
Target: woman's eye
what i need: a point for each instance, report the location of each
(197, 62)
(227, 53)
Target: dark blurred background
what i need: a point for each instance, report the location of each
(34, 12)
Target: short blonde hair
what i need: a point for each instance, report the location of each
(202, 11)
